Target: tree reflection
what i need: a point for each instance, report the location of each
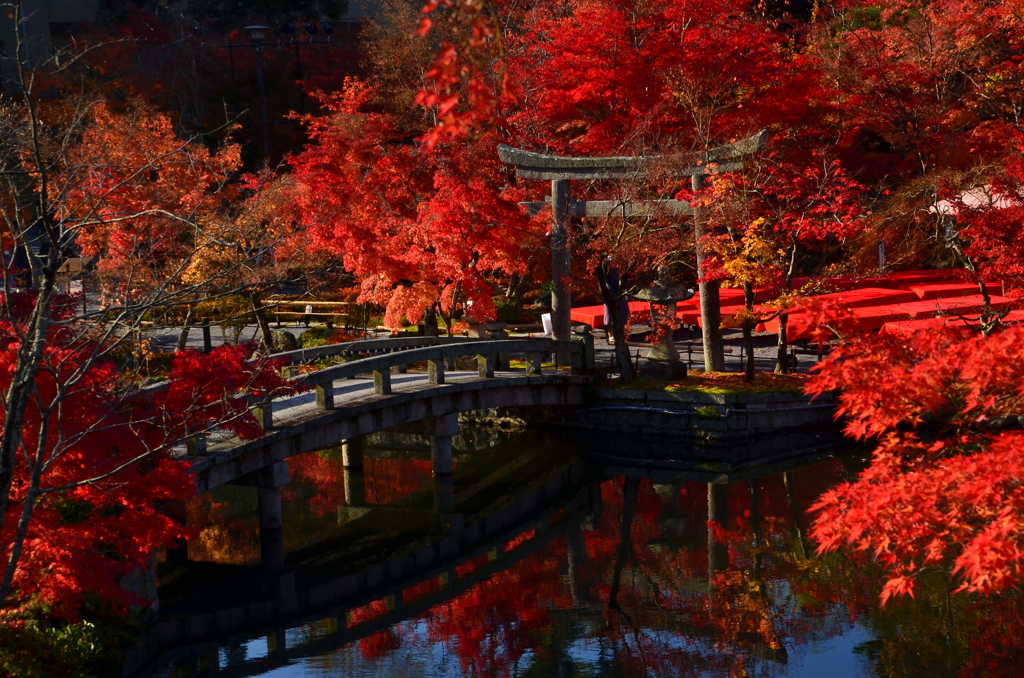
(677, 578)
(661, 591)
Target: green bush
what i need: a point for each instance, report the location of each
(36, 644)
(33, 652)
(313, 337)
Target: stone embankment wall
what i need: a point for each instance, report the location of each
(698, 431)
(707, 416)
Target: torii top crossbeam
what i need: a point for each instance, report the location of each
(530, 165)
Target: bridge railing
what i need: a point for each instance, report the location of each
(349, 349)
(580, 353)
(400, 353)
(367, 346)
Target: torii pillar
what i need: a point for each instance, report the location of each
(561, 265)
(561, 170)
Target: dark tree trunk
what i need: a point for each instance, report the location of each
(710, 300)
(186, 327)
(430, 321)
(20, 393)
(781, 357)
(256, 300)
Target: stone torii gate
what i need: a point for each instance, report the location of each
(560, 171)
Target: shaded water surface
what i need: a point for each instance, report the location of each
(562, 567)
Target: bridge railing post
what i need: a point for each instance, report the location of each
(585, 357)
(325, 395)
(263, 410)
(435, 371)
(382, 381)
(403, 368)
(195, 443)
(533, 364)
(485, 363)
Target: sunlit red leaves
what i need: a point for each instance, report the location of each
(82, 538)
(943, 375)
(417, 228)
(942, 488)
(211, 389)
(940, 509)
(108, 475)
(471, 73)
(987, 217)
(135, 194)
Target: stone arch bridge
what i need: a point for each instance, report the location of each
(375, 389)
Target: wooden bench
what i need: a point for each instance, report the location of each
(310, 309)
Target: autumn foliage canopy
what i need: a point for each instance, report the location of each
(97, 463)
(895, 124)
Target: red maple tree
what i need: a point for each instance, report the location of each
(941, 490)
(94, 470)
(425, 233)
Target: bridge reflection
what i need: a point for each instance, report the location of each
(408, 555)
(388, 565)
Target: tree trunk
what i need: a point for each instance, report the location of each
(18, 396)
(616, 322)
(781, 357)
(256, 300)
(748, 333)
(186, 327)
(710, 302)
(16, 400)
(989, 318)
(18, 543)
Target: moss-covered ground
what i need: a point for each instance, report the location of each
(698, 381)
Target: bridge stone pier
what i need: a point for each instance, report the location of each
(352, 453)
(441, 444)
(268, 482)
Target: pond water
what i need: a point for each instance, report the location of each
(558, 564)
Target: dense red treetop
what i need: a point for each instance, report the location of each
(417, 228)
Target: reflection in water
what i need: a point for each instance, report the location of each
(674, 578)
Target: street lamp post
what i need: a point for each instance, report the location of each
(257, 34)
(258, 39)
